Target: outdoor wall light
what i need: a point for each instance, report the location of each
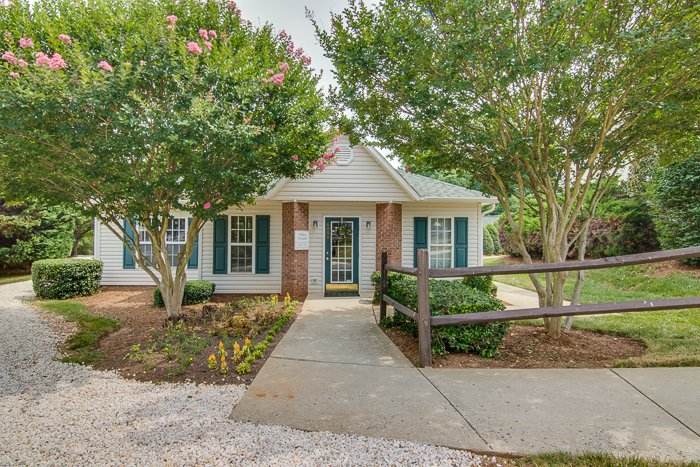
(369, 224)
(315, 224)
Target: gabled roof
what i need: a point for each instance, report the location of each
(415, 187)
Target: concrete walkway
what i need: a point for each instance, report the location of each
(516, 297)
(336, 371)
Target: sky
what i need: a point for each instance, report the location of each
(290, 16)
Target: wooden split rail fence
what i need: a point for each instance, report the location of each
(424, 273)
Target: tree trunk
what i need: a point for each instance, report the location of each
(172, 289)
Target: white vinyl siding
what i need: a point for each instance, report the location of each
(435, 209)
(364, 179)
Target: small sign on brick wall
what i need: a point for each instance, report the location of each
(301, 239)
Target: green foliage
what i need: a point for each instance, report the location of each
(489, 248)
(30, 232)
(376, 279)
(675, 195)
(481, 283)
(594, 459)
(492, 230)
(195, 292)
(58, 279)
(82, 344)
(448, 298)
(134, 120)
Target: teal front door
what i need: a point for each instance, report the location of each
(342, 254)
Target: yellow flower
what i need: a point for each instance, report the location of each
(221, 345)
(223, 359)
(247, 341)
(212, 358)
(236, 347)
(190, 358)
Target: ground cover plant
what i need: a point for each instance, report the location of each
(83, 346)
(562, 459)
(672, 338)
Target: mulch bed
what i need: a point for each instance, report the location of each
(132, 306)
(527, 346)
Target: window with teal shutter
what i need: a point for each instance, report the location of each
(420, 236)
(220, 244)
(262, 244)
(193, 262)
(128, 258)
(461, 244)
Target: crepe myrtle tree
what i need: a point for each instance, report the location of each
(542, 101)
(135, 109)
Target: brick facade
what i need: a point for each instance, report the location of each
(389, 233)
(295, 264)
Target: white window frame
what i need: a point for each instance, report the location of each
(232, 244)
(145, 239)
(451, 244)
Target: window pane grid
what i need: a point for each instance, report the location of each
(341, 252)
(175, 238)
(241, 243)
(440, 242)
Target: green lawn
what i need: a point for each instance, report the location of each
(672, 337)
(594, 460)
(12, 279)
(83, 344)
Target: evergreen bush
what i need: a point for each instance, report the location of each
(59, 279)
(488, 242)
(448, 298)
(195, 292)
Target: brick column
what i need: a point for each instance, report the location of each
(295, 264)
(389, 233)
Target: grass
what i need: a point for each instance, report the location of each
(82, 344)
(560, 459)
(12, 279)
(672, 337)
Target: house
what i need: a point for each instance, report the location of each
(324, 233)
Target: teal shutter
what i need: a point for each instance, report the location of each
(220, 247)
(461, 246)
(128, 258)
(193, 262)
(420, 236)
(262, 244)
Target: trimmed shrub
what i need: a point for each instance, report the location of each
(376, 279)
(449, 298)
(59, 279)
(493, 231)
(482, 284)
(195, 292)
(488, 242)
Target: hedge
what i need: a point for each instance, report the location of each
(59, 279)
(195, 292)
(448, 298)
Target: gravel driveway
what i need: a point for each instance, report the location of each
(53, 413)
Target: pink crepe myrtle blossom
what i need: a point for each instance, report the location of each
(284, 66)
(194, 48)
(283, 34)
(57, 62)
(231, 5)
(246, 120)
(203, 33)
(237, 11)
(208, 45)
(14, 74)
(26, 42)
(9, 57)
(142, 63)
(207, 205)
(22, 63)
(270, 71)
(409, 168)
(171, 19)
(295, 157)
(277, 79)
(290, 48)
(264, 80)
(299, 52)
(169, 27)
(42, 59)
(105, 66)
(212, 33)
(306, 60)
(328, 156)
(336, 149)
(336, 138)
(65, 38)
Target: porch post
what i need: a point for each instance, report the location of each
(383, 288)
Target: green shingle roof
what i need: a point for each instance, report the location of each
(428, 187)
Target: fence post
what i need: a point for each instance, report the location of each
(383, 288)
(424, 344)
